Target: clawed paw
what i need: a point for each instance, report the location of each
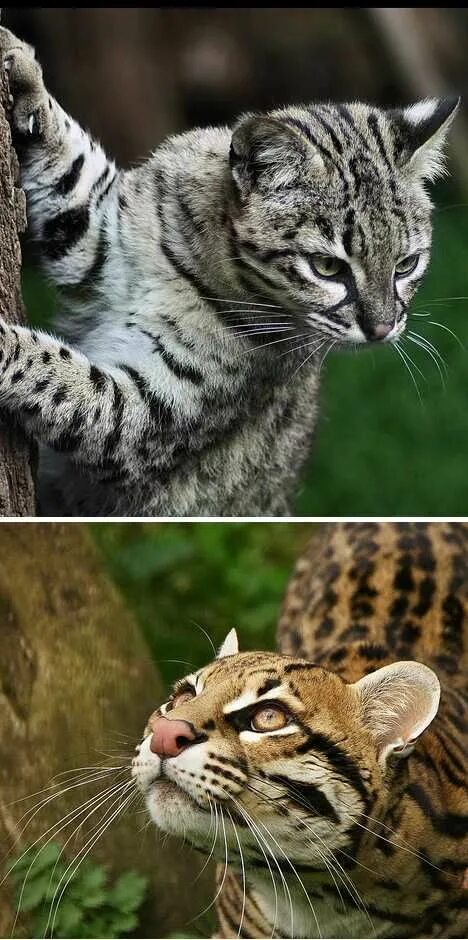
(28, 99)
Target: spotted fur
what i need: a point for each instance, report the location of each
(194, 321)
(390, 824)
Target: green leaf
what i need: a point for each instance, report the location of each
(123, 923)
(69, 915)
(40, 859)
(33, 893)
(128, 891)
(90, 885)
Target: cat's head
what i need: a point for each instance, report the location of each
(277, 752)
(329, 216)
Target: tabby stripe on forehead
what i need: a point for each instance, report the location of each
(333, 136)
(307, 132)
(373, 125)
(346, 116)
(349, 231)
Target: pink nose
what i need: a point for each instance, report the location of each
(381, 330)
(170, 738)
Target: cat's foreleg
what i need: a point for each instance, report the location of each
(66, 175)
(101, 418)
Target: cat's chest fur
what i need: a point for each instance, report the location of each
(248, 425)
(317, 915)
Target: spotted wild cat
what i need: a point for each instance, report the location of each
(329, 776)
(201, 290)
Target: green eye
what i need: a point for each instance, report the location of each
(406, 265)
(327, 265)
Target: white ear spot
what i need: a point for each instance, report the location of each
(398, 703)
(230, 646)
(421, 111)
(428, 123)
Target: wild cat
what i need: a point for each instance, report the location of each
(334, 771)
(201, 290)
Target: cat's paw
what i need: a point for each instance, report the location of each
(28, 102)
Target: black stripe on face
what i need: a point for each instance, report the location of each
(68, 181)
(306, 795)
(224, 773)
(64, 231)
(293, 667)
(341, 762)
(268, 685)
(349, 231)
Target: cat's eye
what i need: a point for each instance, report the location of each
(180, 699)
(269, 718)
(406, 265)
(327, 265)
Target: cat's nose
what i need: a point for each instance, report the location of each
(381, 330)
(170, 738)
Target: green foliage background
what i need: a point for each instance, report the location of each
(379, 449)
(191, 582)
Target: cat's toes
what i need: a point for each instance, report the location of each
(27, 100)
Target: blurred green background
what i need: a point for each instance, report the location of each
(135, 75)
(189, 583)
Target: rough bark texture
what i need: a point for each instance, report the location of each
(16, 453)
(75, 675)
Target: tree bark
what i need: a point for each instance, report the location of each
(16, 452)
(76, 679)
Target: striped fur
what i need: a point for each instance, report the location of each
(194, 317)
(392, 831)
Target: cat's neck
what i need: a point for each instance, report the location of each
(196, 193)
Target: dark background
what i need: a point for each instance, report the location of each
(132, 76)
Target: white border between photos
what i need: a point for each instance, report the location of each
(231, 519)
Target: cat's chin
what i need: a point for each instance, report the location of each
(175, 811)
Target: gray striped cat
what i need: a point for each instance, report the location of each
(201, 291)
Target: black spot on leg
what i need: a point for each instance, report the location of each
(46, 357)
(68, 181)
(41, 385)
(64, 231)
(64, 353)
(60, 395)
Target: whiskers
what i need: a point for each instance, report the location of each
(105, 806)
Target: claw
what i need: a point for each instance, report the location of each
(7, 63)
(31, 122)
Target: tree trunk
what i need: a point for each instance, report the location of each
(16, 452)
(75, 676)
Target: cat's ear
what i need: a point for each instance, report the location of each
(230, 646)
(423, 129)
(263, 145)
(398, 702)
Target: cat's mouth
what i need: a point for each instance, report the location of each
(166, 792)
